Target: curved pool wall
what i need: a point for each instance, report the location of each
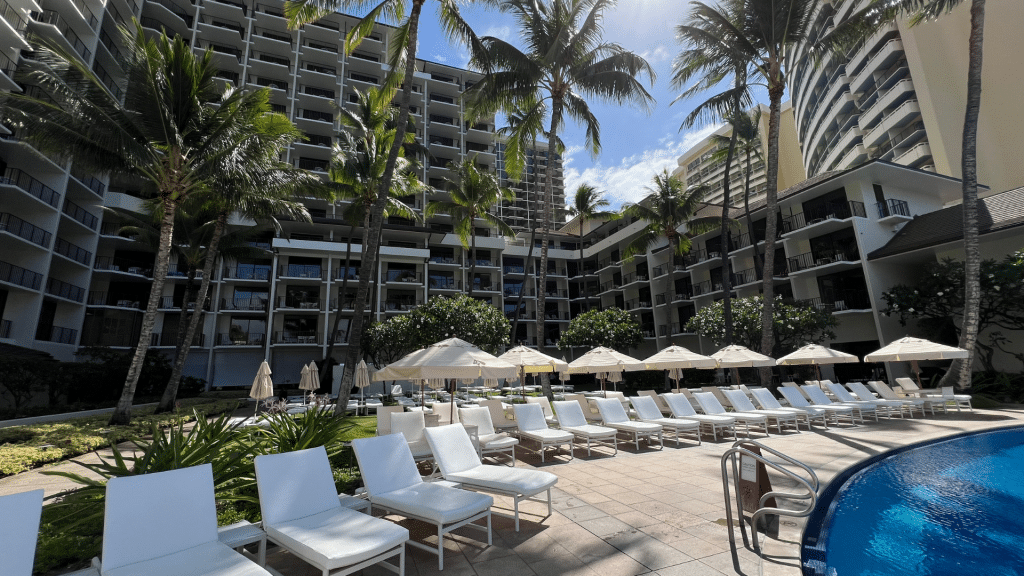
(997, 548)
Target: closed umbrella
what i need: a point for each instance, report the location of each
(604, 360)
(310, 379)
(675, 358)
(530, 361)
(817, 355)
(262, 385)
(909, 349)
(362, 379)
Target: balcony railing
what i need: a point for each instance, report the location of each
(297, 337)
(399, 305)
(73, 252)
(702, 288)
(829, 211)
(843, 300)
(444, 284)
(13, 225)
(16, 177)
(53, 18)
(403, 276)
(7, 66)
(20, 276)
(118, 301)
(892, 207)
(742, 277)
(647, 330)
(66, 290)
(634, 277)
(448, 260)
(300, 271)
(115, 264)
(267, 82)
(244, 304)
(822, 257)
(174, 303)
(171, 339)
(737, 241)
(80, 215)
(609, 286)
(509, 291)
(90, 182)
(13, 18)
(299, 303)
(62, 335)
(241, 339)
(248, 272)
(636, 303)
(556, 293)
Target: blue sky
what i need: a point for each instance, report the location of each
(635, 145)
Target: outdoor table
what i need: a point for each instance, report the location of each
(243, 533)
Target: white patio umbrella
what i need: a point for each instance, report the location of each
(262, 385)
(909, 349)
(310, 379)
(817, 355)
(362, 379)
(530, 361)
(450, 359)
(675, 358)
(736, 356)
(604, 360)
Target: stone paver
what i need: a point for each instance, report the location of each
(657, 512)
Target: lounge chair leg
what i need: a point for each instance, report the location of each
(440, 548)
(491, 532)
(401, 561)
(515, 505)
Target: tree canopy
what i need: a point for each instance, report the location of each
(612, 328)
(472, 320)
(796, 323)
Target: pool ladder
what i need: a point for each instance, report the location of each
(733, 459)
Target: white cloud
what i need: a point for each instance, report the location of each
(628, 180)
(657, 55)
(502, 32)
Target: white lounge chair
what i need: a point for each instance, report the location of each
(908, 385)
(647, 411)
(585, 407)
(394, 484)
(807, 415)
(798, 400)
(489, 442)
(384, 418)
(499, 420)
(710, 405)
(961, 400)
(19, 530)
(532, 426)
(614, 415)
(572, 420)
(541, 401)
(411, 425)
(819, 399)
(888, 395)
(302, 514)
(165, 524)
(741, 403)
(444, 412)
(458, 463)
(844, 396)
(658, 400)
(682, 408)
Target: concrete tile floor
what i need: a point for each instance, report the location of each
(657, 512)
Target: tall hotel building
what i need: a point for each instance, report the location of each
(68, 279)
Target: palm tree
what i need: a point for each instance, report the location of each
(587, 204)
(402, 63)
(175, 130)
(358, 166)
(765, 38)
(471, 196)
(746, 127)
(669, 207)
(566, 60)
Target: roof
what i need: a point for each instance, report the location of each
(996, 212)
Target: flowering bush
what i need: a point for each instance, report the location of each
(612, 327)
(796, 323)
(385, 342)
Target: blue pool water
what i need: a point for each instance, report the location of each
(954, 507)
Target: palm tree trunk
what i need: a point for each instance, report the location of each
(961, 369)
(377, 212)
(758, 267)
(542, 274)
(171, 391)
(123, 412)
(337, 313)
(775, 92)
(522, 288)
(472, 256)
(184, 316)
(723, 234)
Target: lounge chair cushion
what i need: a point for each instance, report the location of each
(674, 422)
(503, 478)
(434, 502)
(547, 435)
(338, 537)
(208, 559)
(642, 427)
(590, 430)
(386, 464)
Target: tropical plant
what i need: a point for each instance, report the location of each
(358, 166)
(461, 317)
(566, 60)
(587, 205)
(176, 130)
(287, 433)
(612, 328)
(402, 65)
(746, 127)
(795, 322)
(471, 196)
(937, 301)
(770, 38)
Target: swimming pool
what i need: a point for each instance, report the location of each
(950, 507)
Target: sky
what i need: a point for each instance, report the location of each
(635, 145)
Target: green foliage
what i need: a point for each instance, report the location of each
(999, 386)
(796, 323)
(462, 317)
(612, 327)
(385, 342)
(288, 433)
(112, 367)
(936, 302)
(26, 447)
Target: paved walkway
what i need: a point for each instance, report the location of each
(647, 512)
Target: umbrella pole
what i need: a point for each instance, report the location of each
(522, 381)
(917, 372)
(451, 415)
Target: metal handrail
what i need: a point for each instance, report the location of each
(739, 448)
